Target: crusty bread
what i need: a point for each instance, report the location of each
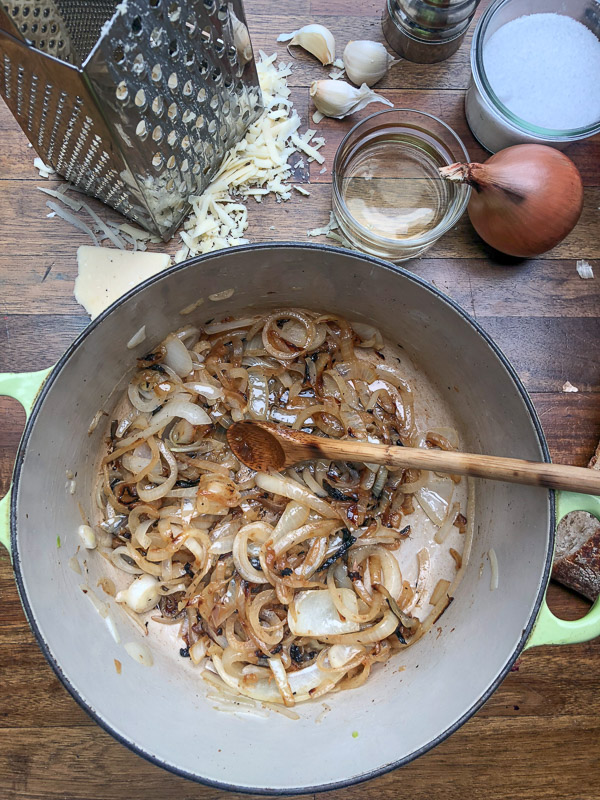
(577, 556)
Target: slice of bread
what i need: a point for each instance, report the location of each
(577, 556)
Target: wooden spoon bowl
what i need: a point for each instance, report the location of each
(264, 446)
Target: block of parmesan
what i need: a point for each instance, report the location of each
(104, 274)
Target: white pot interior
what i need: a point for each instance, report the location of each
(162, 710)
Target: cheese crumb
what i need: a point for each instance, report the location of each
(585, 270)
(44, 170)
(568, 387)
(329, 231)
(302, 190)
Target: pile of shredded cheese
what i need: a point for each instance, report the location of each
(255, 167)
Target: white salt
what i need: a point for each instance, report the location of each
(545, 68)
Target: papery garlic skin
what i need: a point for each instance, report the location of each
(316, 39)
(337, 99)
(367, 62)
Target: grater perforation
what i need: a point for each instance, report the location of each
(135, 102)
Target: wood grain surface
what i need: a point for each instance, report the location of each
(539, 734)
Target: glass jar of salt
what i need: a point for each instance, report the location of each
(535, 73)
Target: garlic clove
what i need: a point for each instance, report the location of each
(142, 595)
(241, 37)
(337, 99)
(366, 61)
(87, 536)
(317, 39)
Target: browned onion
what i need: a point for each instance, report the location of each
(233, 548)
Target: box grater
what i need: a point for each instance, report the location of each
(137, 102)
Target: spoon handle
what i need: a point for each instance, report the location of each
(514, 470)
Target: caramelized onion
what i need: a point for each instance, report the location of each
(288, 585)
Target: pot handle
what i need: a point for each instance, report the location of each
(24, 387)
(549, 629)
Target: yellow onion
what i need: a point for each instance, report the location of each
(525, 198)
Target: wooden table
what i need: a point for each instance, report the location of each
(538, 736)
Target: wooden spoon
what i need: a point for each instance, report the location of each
(263, 446)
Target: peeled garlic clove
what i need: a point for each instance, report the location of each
(317, 39)
(367, 62)
(338, 99)
(87, 536)
(241, 37)
(142, 595)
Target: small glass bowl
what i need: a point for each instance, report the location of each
(388, 198)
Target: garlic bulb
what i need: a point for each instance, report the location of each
(367, 62)
(241, 37)
(338, 99)
(142, 595)
(317, 39)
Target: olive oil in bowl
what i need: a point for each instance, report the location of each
(388, 197)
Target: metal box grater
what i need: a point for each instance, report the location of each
(135, 103)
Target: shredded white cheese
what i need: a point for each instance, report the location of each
(120, 235)
(136, 233)
(255, 167)
(585, 270)
(331, 225)
(329, 231)
(302, 190)
(44, 169)
(568, 387)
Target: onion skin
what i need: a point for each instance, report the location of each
(525, 200)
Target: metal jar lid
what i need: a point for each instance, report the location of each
(427, 31)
